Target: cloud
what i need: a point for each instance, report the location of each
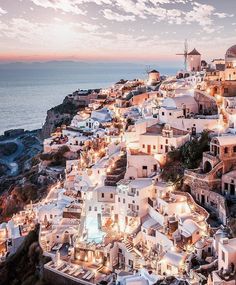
(89, 27)
(110, 15)
(169, 11)
(223, 15)
(63, 5)
(2, 11)
(63, 27)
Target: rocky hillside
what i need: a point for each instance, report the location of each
(59, 115)
(25, 267)
(19, 190)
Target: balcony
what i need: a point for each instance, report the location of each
(132, 192)
(224, 277)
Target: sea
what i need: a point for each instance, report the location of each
(28, 90)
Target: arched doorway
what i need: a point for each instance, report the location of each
(207, 167)
(66, 238)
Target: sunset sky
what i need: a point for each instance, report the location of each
(114, 30)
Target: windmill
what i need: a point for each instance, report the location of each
(185, 54)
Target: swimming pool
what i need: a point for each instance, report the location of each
(94, 234)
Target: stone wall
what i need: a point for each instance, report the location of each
(202, 191)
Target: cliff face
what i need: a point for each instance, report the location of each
(26, 265)
(59, 115)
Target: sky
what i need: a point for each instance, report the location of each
(114, 30)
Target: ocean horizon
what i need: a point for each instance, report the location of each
(27, 91)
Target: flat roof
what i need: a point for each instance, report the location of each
(157, 130)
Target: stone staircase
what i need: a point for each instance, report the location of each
(128, 246)
(117, 172)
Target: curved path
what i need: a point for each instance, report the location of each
(9, 160)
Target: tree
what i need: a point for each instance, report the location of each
(187, 156)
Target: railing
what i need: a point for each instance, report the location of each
(196, 172)
(210, 155)
(72, 210)
(190, 200)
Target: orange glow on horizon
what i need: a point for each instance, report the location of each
(5, 57)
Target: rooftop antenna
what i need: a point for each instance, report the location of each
(185, 54)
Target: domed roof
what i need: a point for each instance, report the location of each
(231, 52)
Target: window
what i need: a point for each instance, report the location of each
(235, 148)
(111, 196)
(119, 199)
(163, 113)
(154, 147)
(95, 209)
(223, 255)
(137, 208)
(226, 185)
(168, 267)
(143, 145)
(137, 193)
(90, 208)
(144, 167)
(155, 167)
(123, 201)
(166, 141)
(102, 195)
(161, 146)
(130, 262)
(133, 202)
(170, 114)
(226, 150)
(226, 90)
